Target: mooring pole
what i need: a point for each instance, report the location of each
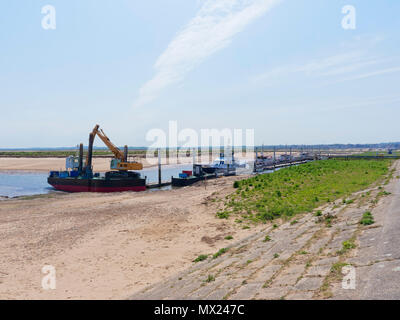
(126, 153)
(255, 160)
(159, 167)
(80, 158)
(194, 158)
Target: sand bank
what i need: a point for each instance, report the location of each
(48, 164)
(102, 164)
(108, 246)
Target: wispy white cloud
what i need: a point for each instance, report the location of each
(374, 73)
(212, 29)
(335, 65)
(381, 102)
(315, 67)
(337, 104)
(354, 64)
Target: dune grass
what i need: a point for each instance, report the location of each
(299, 189)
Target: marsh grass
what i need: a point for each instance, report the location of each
(299, 189)
(62, 153)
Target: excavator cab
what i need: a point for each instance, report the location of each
(117, 164)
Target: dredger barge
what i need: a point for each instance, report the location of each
(79, 176)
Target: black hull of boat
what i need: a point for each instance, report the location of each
(97, 185)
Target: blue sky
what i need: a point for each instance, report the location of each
(286, 69)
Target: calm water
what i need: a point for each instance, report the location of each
(166, 172)
(14, 184)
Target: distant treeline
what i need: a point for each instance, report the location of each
(141, 151)
(384, 145)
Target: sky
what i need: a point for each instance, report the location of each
(285, 68)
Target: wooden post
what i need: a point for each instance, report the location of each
(159, 167)
(194, 159)
(255, 160)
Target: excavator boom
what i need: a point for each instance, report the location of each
(117, 152)
(121, 162)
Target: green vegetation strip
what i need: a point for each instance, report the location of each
(56, 154)
(379, 153)
(300, 189)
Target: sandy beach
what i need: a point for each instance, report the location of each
(116, 246)
(108, 246)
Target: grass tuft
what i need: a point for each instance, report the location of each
(219, 253)
(210, 278)
(267, 238)
(367, 219)
(346, 246)
(201, 257)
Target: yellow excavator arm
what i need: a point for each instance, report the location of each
(122, 163)
(117, 153)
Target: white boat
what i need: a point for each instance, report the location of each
(224, 165)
